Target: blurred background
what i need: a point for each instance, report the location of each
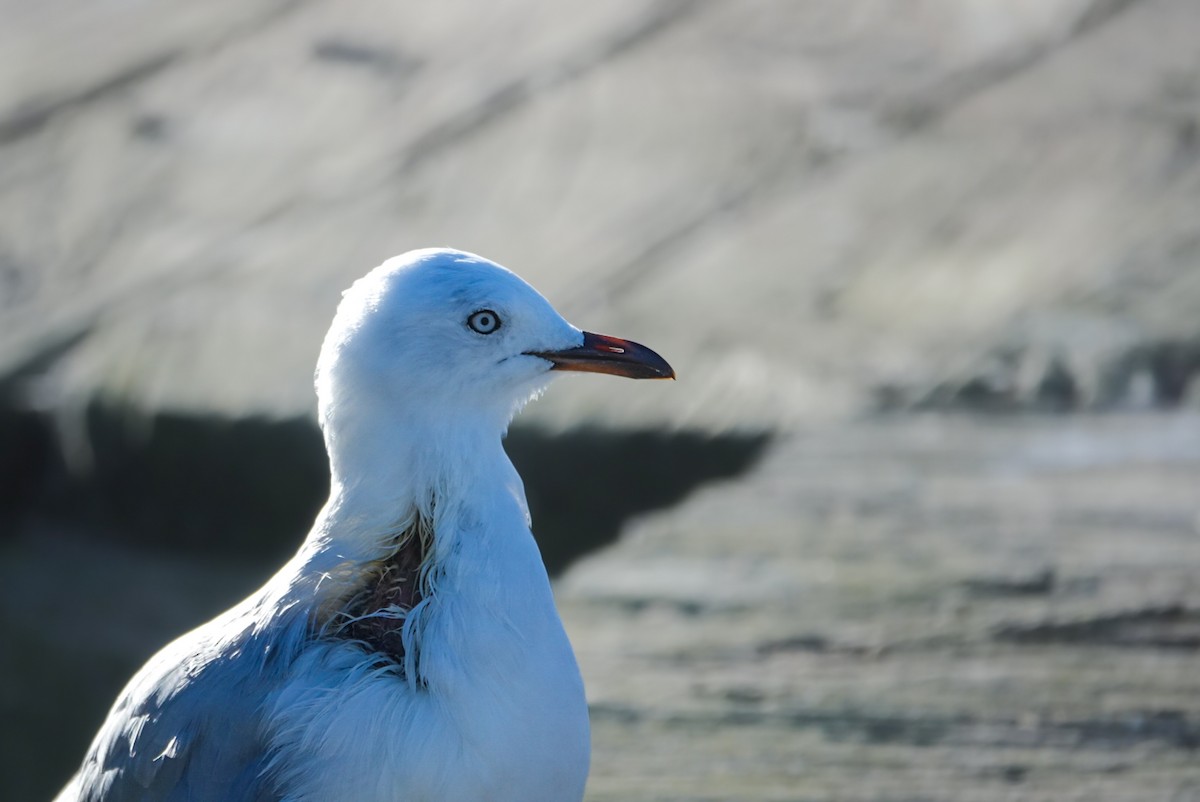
(919, 521)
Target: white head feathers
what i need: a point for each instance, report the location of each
(438, 332)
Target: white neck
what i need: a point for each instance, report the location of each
(489, 666)
(439, 467)
(455, 476)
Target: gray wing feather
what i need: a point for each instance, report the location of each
(188, 726)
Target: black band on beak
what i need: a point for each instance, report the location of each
(603, 354)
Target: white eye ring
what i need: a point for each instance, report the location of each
(485, 321)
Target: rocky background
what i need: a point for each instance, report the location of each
(921, 518)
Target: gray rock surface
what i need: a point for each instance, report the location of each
(934, 608)
(812, 208)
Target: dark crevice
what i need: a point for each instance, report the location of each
(1152, 374)
(1174, 729)
(380, 59)
(1168, 627)
(1042, 583)
(26, 454)
(249, 489)
(584, 484)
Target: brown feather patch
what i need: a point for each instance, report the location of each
(394, 585)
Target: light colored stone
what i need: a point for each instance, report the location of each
(796, 203)
(871, 661)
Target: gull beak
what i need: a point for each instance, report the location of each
(603, 354)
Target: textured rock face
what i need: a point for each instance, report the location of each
(926, 608)
(807, 206)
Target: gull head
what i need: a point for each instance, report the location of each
(436, 333)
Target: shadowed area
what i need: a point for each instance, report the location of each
(193, 513)
(249, 489)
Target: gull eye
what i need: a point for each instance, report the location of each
(485, 321)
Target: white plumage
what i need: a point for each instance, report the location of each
(411, 650)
